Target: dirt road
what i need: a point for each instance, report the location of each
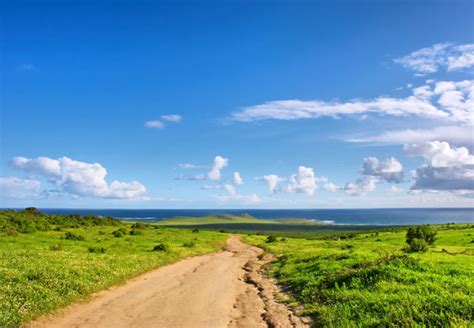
(223, 289)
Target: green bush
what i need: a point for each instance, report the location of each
(418, 238)
(418, 245)
(421, 232)
(93, 249)
(72, 236)
(161, 248)
(139, 225)
(135, 232)
(119, 232)
(271, 239)
(11, 232)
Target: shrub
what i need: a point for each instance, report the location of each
(139, 225)
(11, 232)
(189, 243)
(417, 245)
(119, 232)
(421, 232)
(57, 247)
(271, 239)
(93, 249)
(135, 232)
(72, 236)
(161, 248)
(195, 230)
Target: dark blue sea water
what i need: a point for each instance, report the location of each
(335, 216)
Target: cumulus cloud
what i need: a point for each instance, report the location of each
(303, 181)
(79, 178)
(440, 153)
(448, 169)
(175, 118)
(448, 56)
(390, 170)
(15, 188)
(155, 124)
(272, 181)
(329, 186)
(237, 179)
(459, 179)
(218, 164)
(361, 186)
(445, 100)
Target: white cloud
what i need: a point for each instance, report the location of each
(15, 188)
(390, 170)
(79, 178)
(272, 181)
(304, 181)
(440, 153)
(175, 118)
(459, 135)
(448, 101)
(329, 186)
(230, 189)
(361, 186)
(457, 179)
(191, 166)
(394, 189)
(238, 179)
(441, 55)
(218, 164)
(449, 168)
(155, 124)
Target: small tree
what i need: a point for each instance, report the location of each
(418, 238)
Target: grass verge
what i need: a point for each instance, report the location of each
(48, 262)
(369, 279)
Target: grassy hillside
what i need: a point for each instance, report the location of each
(369, 279)
(249, 224)
(229, 219)
(48, 262)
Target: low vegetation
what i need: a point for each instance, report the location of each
(247, 224)
(50, 261)
(343, 276)
(372, 279)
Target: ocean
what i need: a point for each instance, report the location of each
(331, 216)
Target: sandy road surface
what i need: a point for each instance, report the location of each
(224, 289)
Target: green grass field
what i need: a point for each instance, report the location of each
(369, 280)
(40, 271)
(343, 276)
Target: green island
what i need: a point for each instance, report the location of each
(340, 276)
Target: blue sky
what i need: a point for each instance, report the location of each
(318, 104)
